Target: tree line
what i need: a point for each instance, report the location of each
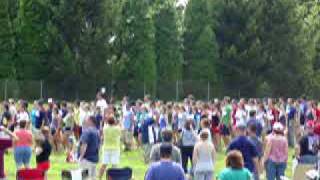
(258, 47)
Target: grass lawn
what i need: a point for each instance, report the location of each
(132, 159)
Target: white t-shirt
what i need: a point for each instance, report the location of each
(13, 110)
(23, 116)
(249, 109)
(102, 104)
(241, 115)
(261, 115)
(83, 115)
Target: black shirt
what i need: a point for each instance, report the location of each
(5, 115)
(304, 146)
(46, 151)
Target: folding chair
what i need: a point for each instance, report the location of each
(119, 174)
(30, 174)
(77, 174)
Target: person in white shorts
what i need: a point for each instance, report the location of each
(111, 145)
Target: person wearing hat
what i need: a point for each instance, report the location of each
(306, 150)
(249, 151)
(165, 168)
(276, 153)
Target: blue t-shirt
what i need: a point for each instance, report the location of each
(165, 170)
(248, 150)
(90, 136)
(127, 122)
(33, 117)
(144, 130)
(258, 145)
(163, 123)
(64, 113)
(291, 113)
(98, 120)
(40, 118)
(258, 126)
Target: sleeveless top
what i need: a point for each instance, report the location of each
(205, 162)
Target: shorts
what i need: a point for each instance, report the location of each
(67, 129)
(215, 129)
(43, 166)
(111, 157)
(90, 166)
(22, 155)
(53, 131)
(136, 131)
(224, 130)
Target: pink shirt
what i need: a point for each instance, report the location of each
(24, 138)
(279, 148)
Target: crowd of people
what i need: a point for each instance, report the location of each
(180, 140)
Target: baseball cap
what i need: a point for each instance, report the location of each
(278, 126)
(241, 125)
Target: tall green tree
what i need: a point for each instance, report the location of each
(168, 46)
(200, 46)
(32, 35)
(137, 38)
(8, 14)
(240, 64)
(284, 51)
(309, 12)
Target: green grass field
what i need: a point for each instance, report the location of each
(132, 159)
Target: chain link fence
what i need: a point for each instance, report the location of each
(71, 90)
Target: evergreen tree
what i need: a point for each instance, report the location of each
(200, 47)
(287, 64)
(168, 43)
(8, 13)
(137, 38)
(240, 64)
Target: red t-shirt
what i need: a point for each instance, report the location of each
(317, 114)
(316, 129)
(275, 114)
(24, 138)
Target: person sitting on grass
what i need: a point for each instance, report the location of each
(235, 169)
(165, 168)
(111, 145)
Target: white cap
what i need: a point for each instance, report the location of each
(50, 100)
(278, 126)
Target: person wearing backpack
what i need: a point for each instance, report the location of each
(187, 141)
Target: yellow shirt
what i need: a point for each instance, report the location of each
(111, 137)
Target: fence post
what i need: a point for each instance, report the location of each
(6, 89)
(41, 89)
(144, 88)
(208, 91)
(177, 90)
(111, 88)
